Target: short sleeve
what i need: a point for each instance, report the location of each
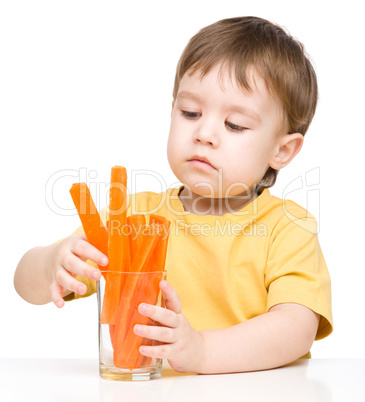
(296, 272)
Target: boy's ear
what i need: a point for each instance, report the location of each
(289, 146)
(172, 109)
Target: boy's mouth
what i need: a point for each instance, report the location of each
(201, 161)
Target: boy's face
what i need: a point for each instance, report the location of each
(222, 140)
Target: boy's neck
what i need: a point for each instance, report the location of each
(200, 205)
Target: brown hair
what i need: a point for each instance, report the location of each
(245, 42)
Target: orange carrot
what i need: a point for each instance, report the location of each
(147, 245)
(148, 242)
(137, 225)
(94, 229)
(118, 241)
(119, 254)
(131, 288)
(145, 360)
(132, 247)
(152, 298)
(159, 255)
(156, 263)
(127, 352)
(126, 314)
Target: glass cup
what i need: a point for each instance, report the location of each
(119, 295)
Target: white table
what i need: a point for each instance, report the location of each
(74, 380)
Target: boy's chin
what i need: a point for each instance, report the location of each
(199, 190)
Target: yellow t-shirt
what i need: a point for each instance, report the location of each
(228, 269)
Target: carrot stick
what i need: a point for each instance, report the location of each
(94, 228)
(137, 224)
(131, 289)
(139, 359)
(156, 263)
(127, 353)
(145, 360)
(158, 258)
(147, 245)
(118, 241)
(119, 254)
(148, 242)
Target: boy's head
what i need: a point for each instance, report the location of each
(248, 44)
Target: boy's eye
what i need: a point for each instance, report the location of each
(231, 126)
(234, 127)
(190, 115)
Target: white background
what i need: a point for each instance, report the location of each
(85, 85)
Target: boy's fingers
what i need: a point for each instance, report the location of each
(173, 301)
(73, 264)
(161, 351)
(67, 281)
(162, 334)
(86, 251)
(56, 294)
(164, 316)
(82, 235)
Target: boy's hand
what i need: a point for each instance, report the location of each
(181, 345)
(66, 260)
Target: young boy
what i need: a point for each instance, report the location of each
(248, 287)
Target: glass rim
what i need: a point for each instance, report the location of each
(134, 272)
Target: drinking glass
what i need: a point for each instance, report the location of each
(119, 295)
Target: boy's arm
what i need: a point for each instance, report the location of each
(30, 279)
(270, 340)
(274, 339)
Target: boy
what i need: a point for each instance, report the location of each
(248, 288)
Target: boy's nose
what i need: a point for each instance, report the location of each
(206, 135)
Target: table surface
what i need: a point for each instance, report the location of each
(63, 380)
